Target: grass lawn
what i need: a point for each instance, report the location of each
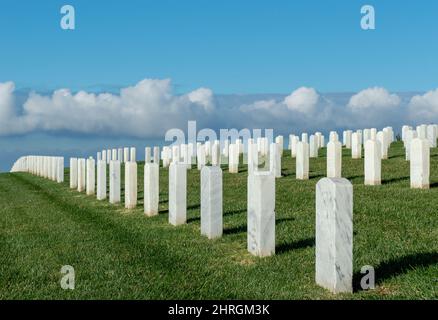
(122, 254)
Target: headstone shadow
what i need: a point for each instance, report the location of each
(398, 266)
(289, 246)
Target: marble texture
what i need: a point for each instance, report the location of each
(302, 161)
(91, 177)
(347, 141)
(313, 147)
(233, 160)
(215, 154)
(147, 154)
(151, 189)
(157, 155)
(381, 137)
(305, 137)
(73, 173)
(201, 156)
(422, 131)
(293, 146)
(432, 135)
(101, 180)
(334, 235)
(120, 154)
(115, 181)
(333, 136)
(177, 194)
(125, 155)
(275, 159)
(81, 175)
(356, 146)
(409, 136)
(372, 163)
(334, 159)
(60, 169)
(366, 135)
(132, 154)
(261, 214)
(130, 185)
(252, 158)
(420, 163)
(211, 202)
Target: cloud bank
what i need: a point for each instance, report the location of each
(149, 108)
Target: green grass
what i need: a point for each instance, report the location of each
(121, 254)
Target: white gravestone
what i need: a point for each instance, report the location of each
(420, 163)
(115, 181)
(73, 173)
(130, 184)
(177, 194)
(275, 160)
(372, 162)
(157, 155)
(334, 235)
(125, 155)
(334, 159)
(261, 214)
(91, 176)
(211, 202)
(101, 180)
(81, 175)
(313, 147)
(302, 161)
(356, 147)
(147, 154)
(151, 189)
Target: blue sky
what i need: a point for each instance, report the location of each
(292, 66)
(228, 46)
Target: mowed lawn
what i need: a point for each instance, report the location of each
(122, 254)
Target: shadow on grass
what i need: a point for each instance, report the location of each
(289, 246)
(355, 177)
(433, 185)
(316, 176)
(235, 230)
(392, 180)
(398, 266)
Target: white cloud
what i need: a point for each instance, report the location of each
(424, 107)
(149, 108)
(303, 100)
(144, 110)
(378, 98)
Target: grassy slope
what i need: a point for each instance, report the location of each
(123, 254)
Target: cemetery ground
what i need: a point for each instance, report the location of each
(122, 254)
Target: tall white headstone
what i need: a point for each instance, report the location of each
(151, 189)
(177, 194)
(356, 146)
(334, 235)
(211, 202)
(302, 161)
(81, 175)
(261, 213)
(420, 163)
(91, 176)
(334, 159)
(372, 162)
(101, 180)
(115, 181)
(73, 173)
(130, 184)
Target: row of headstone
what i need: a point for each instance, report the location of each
(51, 168)
(120, 154)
